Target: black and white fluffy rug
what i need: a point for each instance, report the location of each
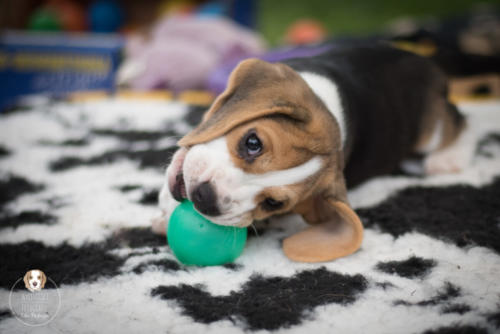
(78, 187)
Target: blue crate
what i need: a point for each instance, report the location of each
(56, 63)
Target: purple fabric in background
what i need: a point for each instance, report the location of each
(217, 80)
(180, 52)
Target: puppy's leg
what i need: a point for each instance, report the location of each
(449, 148)
(167, 205)
(453, 158)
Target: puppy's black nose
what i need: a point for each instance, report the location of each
(205, 199)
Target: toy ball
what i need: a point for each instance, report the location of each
(44, 19)
(305, 32)
(72, 15)
(195, 240)
(105, 16)
(212, 9)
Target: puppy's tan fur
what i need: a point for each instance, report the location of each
(294, 125)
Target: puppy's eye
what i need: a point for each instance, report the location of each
(253, 144)
(270, 204)
(250, 146)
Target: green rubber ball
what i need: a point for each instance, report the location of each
(197, 241)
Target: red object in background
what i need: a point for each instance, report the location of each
(305, 32)
(71, 14)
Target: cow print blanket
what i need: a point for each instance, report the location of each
(78, 188)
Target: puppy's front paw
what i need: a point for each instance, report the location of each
(452, 160)
(159, 224)
(455, 157)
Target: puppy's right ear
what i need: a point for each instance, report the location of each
(26, 279)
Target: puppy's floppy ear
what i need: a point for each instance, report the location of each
(26, 279)
(255, 89)
(44, 279)
(336, 230)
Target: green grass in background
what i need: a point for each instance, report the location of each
(352, 16)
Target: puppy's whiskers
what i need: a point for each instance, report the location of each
(252, 225)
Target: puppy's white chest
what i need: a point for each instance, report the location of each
(328, 93)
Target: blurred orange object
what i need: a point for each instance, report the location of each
(305, 31)
(71, 14)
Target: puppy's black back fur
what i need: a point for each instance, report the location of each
(385, 93)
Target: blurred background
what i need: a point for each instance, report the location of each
(188, 48)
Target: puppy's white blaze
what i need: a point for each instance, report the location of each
(328, 93)
(220, 166)
(286, 177)
(212, 162)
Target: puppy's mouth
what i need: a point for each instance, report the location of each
(179, 191)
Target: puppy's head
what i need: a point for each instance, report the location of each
(267, 146)
(34, 280)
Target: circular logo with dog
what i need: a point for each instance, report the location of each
(34, 298)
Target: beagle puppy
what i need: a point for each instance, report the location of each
(292, 136)
(34, 280)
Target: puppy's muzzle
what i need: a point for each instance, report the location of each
(204, 199)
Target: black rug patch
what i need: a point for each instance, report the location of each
(155, 158)
(448, 293)
(414, 267)
(268, 302)
(458, 330)
(128, 187)
(494, 318)
(465, 215)
(3, 152)
(150, 197)
(4, 314)
(232, 266)
(14, 186)
(136, 237)
(67, 264)
(8, 219)
(456, 308)
(163, 265)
